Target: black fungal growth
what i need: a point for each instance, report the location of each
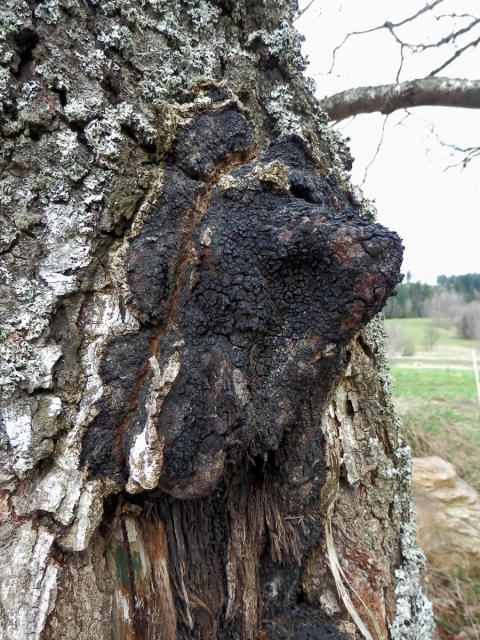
(256, 284)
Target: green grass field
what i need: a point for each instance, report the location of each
(440, 405)
(441, 385)
(416, 330)
(437, 398)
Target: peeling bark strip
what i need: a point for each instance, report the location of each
(386, 98)
(190, 388)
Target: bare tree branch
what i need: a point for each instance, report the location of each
(468, 153)
(456, 55)
(304, 10)
(462, 36)
(406, 115)
(451, 37)
(389, 26)
(454, 15)
(419, 47)
(386, 98)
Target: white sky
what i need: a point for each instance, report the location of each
(436, 212)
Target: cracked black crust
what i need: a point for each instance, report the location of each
(154, 254)
(262, 285)
(121, 366)
(209, 139)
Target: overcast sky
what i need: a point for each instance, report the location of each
(436, 212)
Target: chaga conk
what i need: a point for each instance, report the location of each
(249, 273)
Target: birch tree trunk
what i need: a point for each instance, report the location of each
(197, 436)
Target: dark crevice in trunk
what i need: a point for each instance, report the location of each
(25, 42)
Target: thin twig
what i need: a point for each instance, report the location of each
(380, 142)
(303, 11)
(456, 55)
(451, 37)
(405, 117)
(390, 26)
(469, 153)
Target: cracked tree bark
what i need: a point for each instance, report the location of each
(197, 436)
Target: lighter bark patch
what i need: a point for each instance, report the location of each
(146, 456)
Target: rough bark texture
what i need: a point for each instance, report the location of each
(197, 436)
(386, 98)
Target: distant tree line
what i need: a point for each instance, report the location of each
(410, 300)
(417, 300)
(468, 285)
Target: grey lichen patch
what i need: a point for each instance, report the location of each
(105, 135)
(369, 209)
(118, 37)
(4, 86)
(83, 108)
(375, 335)
(24, 360)
(414, 615)
(281, 109)
(75, 159)
(175, 22)
(273, 173)
(283, 43)
(48, 11)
